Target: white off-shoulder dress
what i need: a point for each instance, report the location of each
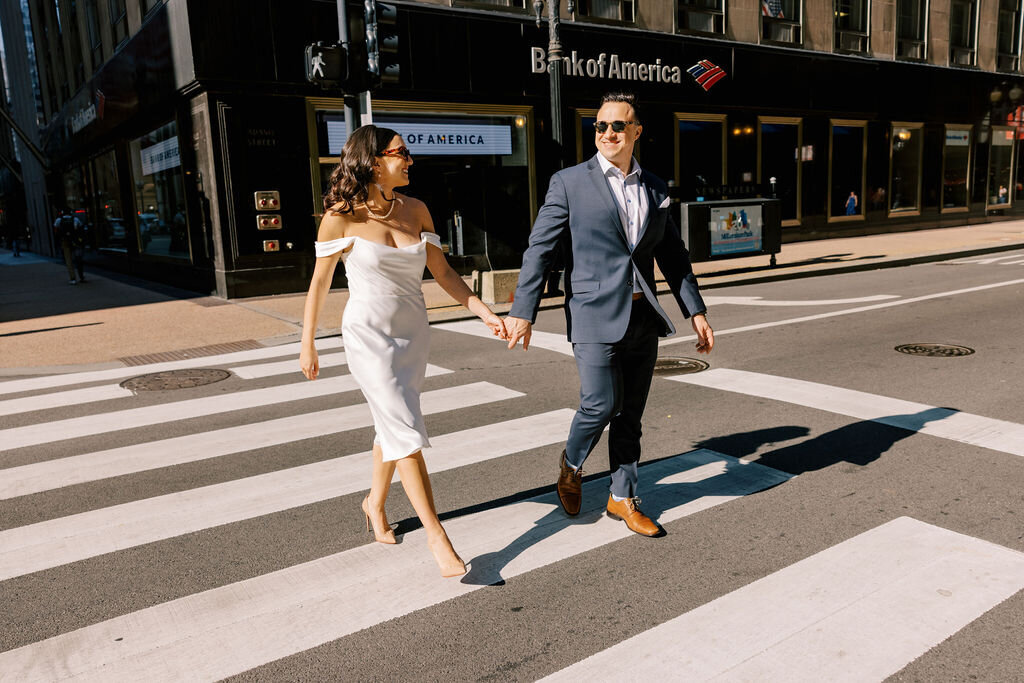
(386, 335)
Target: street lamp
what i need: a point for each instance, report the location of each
(554, 65)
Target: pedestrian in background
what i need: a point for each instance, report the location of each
(70, 234)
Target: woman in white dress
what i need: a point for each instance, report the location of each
(385, 239)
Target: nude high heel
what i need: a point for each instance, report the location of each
(448, 561)
(386, 537)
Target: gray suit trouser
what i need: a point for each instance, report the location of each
(614, 381)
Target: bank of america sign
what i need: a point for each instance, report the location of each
(608, 66)
(436, 138)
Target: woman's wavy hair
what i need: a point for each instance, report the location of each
(350, 180)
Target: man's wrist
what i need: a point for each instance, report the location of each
(703, 313)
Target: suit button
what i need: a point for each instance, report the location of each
(629, 283)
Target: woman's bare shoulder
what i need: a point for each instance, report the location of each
(334, 224)
(417, 208)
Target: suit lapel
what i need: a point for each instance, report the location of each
(653, 201)
(605, 193)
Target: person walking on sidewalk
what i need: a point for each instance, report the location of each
(70, 234)
(385, 239)
(615, 220)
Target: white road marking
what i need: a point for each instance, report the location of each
(858, 611)
(986, 260)
(51, 381)
(759, 301)
(849, 311)
(89, 425)
(283, 367)
(998, 435)
(1012, 263)
(61, 399)
(237, 627)
(68, 539)
(78, 469)
(541, 340)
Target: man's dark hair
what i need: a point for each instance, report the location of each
(627, 97)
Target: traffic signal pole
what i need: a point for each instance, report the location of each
(344, 39)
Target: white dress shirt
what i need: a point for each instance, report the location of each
(630, 199)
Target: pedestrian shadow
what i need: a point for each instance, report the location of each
(858, 444)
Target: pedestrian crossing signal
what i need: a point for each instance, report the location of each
(326, 65)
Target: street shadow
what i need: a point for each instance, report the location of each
(858, 444)
(829, 258)
(46, 329)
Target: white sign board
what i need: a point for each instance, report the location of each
(735, 229)
(161, 156)
(958, 138)
(436, 138)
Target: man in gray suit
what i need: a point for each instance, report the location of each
(612, 219)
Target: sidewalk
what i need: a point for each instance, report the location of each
(47, 325)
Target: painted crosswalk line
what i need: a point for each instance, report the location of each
(975, 430)
(283, 367)
(237, 627)
(859, 611)
(68, 539)
(713, 300)
(90, 425)
(113, 462)
(52, 381)
(62, 399)
(541, 340)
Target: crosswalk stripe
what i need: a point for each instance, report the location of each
(538, 339)
(327, 360)
(858, 611)
(89, 425)
(60, 399)
(975, 430)
(51, 381)
(986, 260)
(68, 539)
(78, 469)
(234, 628)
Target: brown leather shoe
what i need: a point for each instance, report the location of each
(627, 511)
(570, 488)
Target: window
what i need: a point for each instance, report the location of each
(1000, 161)
(159, 193)
(911, 28)
(780, 21)
(118, 19)
(846, 169)
(963, 15)
(95, 39)
(702, 16)
(905, 167)
(110, 232)
(956, 164)
(779, 150)
(1008, 38)
(614, 10)
(851, 25)
(700, 155)
(518, 4)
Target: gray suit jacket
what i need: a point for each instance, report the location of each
(580, 213)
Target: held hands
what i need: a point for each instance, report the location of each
(518, 328)
(496, 324)
(309, 362)
(705, 335)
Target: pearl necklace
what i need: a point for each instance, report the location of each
(391, 205)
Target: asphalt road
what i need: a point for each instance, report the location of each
(832, 508)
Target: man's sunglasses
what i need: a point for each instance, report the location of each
(617, 126)
(397, 152)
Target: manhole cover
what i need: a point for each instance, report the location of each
(943, 350)
(678, 366)
(175, 379)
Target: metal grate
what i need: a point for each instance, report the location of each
(669, 365)
(175, 379)
(934, 350)
(197, 352)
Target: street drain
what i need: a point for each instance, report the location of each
(669, 365)
(175, 379)
(939, 350)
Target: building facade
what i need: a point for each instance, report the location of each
(168, 122)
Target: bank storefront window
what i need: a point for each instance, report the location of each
(905, 167)
(956, 166)
(109, 230)
(847, 154)
(700, 155)
(779, 144)
(1000, 162)
(472, 166)
(159, 193)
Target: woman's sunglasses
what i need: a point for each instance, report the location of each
(397, 152)
(617, 126)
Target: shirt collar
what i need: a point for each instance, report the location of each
(607, 167)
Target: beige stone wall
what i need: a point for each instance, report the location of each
(883, 29)
(656, 15)
(938, 32)
(988, 23)
(743, 20)
(818, 25)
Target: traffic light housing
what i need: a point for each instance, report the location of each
(381, 22)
